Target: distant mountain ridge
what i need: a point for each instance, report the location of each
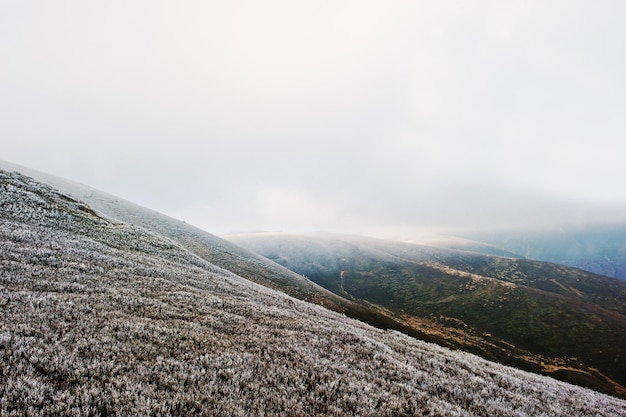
(105, 317)
(535, 315)
(597, 247)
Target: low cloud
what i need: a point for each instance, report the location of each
(347, 116)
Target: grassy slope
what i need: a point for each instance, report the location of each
(222, 253)
(100, 317)
(535, 315)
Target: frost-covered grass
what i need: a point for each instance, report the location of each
(209, 247)
(99, 317)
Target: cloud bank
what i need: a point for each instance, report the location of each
(349, 116)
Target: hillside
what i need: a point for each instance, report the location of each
(101, 317)
(538, 316)
(219, 251)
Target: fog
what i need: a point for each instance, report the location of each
(386, 119)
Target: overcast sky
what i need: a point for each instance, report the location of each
(375, 117)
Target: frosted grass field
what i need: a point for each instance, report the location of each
(101, 317)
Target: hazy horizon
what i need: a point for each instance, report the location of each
(353, 117)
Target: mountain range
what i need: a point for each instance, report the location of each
(111, 309)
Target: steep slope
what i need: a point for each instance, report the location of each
(220, 252)
(100, 317)
(534, 315)
(209, 247)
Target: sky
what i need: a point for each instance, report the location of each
(380, 118)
